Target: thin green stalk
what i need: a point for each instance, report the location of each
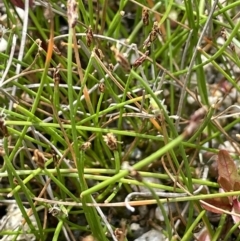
(218, 133)
(117, 161)
(114, 193)
(188, 234)
(83, 84)
(14, 60)
(169, 56)
(27, 138)
(61, 185)
(116, 20)
(218, 67)
(38, 26)
(89, 173)
(35, 104)
(90, 212)
(105, 192)
(13, 174)
(220, 227)
(173, 132)
(160, 205)
(31, 176)
(97, 140)
(34, 118)
(58, 230)
(231, 231)
(83, 10)
(31, 52)
(203, 125)
(201, 82)
(85, 128)
(122, 110)
(137, 166)
(90, 12)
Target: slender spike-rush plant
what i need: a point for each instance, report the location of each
(107, 107)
